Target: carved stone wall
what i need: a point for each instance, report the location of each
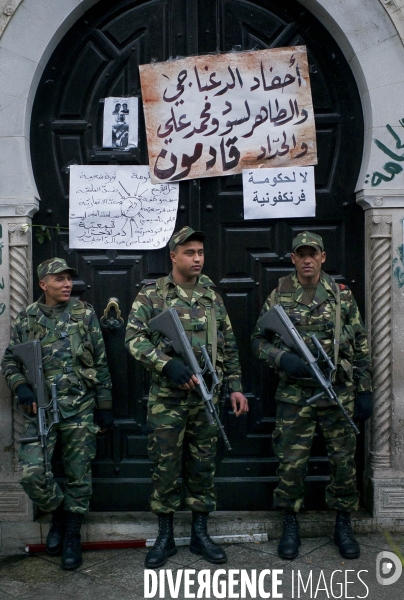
(20, 283)
(380, 282)
(7, 9)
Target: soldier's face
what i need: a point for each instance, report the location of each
(57, 288)
(187, 261)
(308, 262)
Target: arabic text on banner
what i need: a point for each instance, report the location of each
(120, 126)
(279, 193)
(118, 207)
(219, 114)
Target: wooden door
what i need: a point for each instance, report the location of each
(99, 57)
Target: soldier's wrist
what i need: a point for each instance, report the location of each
(235, 386)
(17, 383)
(278, 358)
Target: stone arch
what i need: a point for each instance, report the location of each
(368, 34)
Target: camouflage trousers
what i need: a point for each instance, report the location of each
(176, 429)
(78, 442)
(292, 439)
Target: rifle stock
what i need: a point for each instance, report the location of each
(169, 325)
(277, 321)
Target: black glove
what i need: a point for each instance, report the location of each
(104, 419)
(177, 371)
(363, 406)
(25, 395)
(293, 365)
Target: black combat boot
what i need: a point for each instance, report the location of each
(289, 543)
(344, 536)
(71, 555)
(201, 542)
(164, 546)
(54, 539)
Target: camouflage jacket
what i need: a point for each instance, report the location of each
(195, 315)
(317, 317)
(73, 355)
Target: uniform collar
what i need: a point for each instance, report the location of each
(42, 319)
(325, 287)
(202, 285)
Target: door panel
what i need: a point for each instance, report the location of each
(99, 57)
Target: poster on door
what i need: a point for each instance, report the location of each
(218, 114)
(279, 193)
(120, 126)
(113, 207)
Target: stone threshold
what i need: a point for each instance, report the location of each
(108, 526)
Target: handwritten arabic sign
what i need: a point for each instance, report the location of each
(279, 193)
(216, 115)
(119, 207)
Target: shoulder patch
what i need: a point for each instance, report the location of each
(343, 287)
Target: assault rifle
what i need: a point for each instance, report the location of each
(277, 320)
(30, 355)
(168, 323)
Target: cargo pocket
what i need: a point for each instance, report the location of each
(85, 353)
(89, 377)
(76, 387)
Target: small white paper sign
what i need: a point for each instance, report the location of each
(118, 207)
(120, 123)
(287, 192)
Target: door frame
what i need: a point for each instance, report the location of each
(28, 38)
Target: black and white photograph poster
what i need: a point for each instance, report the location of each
(279, 193)
(121, 117)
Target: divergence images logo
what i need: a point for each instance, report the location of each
(388, 568)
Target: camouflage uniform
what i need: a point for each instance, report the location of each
(74, 358)
(175, 415)
(295, 420)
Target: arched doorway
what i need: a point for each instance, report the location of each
(99, 57)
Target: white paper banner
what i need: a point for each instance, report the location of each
(279, 193)
(118, 207)
(120, 123)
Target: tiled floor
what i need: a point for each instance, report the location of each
(319, 572)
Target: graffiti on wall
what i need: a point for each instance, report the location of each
(395, 152)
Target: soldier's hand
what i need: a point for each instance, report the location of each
(104, 419)
(363, 406)
(294, 365)
(180, 374)
(26, 397)
(239, 403)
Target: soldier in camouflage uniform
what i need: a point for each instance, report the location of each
(74, 359)
(316, 304)
(176, 413)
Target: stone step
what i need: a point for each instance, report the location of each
(107, 526)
